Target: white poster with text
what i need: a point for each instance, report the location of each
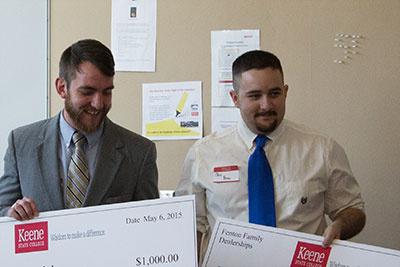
(238, 244)
(142, 233)
(226, 46)
(133, 35)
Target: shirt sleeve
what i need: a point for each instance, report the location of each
(343, 190)
(189, 185)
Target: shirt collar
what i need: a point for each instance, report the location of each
(67, 131)
(248, 136)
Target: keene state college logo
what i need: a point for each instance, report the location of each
(310, 255)
(31, 237)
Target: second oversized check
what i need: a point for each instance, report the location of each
(239, 244)
(144, 233)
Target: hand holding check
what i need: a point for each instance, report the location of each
(23, 209)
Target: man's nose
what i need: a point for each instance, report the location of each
(265, 102)
(97, 101)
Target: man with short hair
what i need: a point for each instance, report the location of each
(310, 172)
(79, 157)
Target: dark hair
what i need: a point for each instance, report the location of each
(256, 59)
(85, 50)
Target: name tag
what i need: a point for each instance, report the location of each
(226, 174)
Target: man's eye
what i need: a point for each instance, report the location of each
(275, 94)
(86, 93)
(254, 96)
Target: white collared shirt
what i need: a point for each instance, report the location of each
(312, 177)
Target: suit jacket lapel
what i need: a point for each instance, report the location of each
(108, 162)
(47, 157)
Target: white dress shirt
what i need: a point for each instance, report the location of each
(312, 177)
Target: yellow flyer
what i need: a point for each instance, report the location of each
(172, 111)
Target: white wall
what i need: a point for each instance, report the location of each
(23, 65)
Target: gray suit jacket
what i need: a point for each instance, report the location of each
(126, 167)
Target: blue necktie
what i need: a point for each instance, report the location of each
(261, 187)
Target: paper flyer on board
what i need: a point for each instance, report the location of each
(140, 233)
(172, 111)
(238, 244)
(223, 118)
(133, 34)
(226, 46)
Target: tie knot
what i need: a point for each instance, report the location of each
(260, 140)
(79, 139)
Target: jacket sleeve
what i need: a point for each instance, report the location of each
(10, 189)
(147, 187)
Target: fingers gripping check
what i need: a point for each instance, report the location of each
(23, 209)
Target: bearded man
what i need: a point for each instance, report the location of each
(79, 157)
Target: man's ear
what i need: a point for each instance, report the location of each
(61, 87)
(286, 87)
(235, 97)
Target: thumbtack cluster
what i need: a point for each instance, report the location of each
(349, 43)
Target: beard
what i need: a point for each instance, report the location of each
(76, 115)
(263, 128)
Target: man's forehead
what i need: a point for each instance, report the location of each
(267, 76)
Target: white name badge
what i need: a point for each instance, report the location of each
(226, 174)
(238, 244)
(158, 232)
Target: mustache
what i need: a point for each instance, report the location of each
(266, 113)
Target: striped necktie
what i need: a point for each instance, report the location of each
(261, 186)
(78, 173)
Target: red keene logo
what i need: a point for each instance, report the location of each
(31, 237)
(310, 255)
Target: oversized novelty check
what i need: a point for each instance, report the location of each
(158, 232)
(239, 244)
